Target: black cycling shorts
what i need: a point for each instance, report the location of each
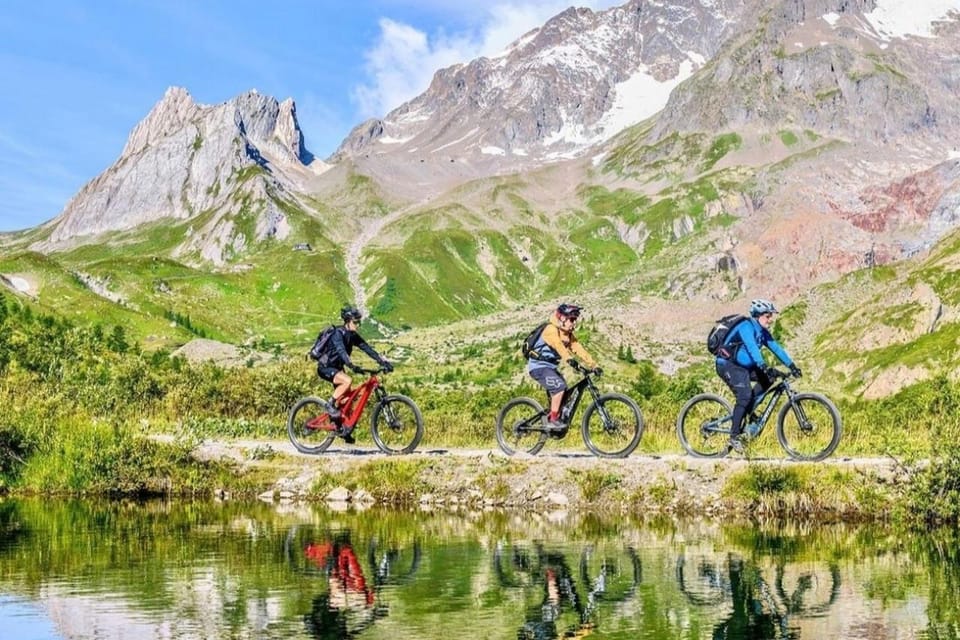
(327, 373)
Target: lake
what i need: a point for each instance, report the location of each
(178, 570)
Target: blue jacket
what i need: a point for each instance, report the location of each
(752, 337)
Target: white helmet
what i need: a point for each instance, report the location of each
(760, 306)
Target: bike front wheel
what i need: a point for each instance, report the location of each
(703, 426)
(612, 426)
(808, 427)
(520, 427)
(309, 427)
(397, 425)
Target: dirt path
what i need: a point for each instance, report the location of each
(560, 477)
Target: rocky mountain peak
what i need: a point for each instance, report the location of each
(185, 158)
(174, 110)
(576, 81)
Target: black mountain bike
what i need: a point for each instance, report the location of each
(611, 428)
(808, 425)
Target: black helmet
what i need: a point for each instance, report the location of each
(349, 312)
(569, 310)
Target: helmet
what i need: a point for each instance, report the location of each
(760, 306)
(569, 310)
(349, 312)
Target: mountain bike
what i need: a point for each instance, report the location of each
(808, 425)
(611, 427)
(396, 423)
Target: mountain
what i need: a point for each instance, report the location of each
(659, 161)
(186, 159)
(576, 81)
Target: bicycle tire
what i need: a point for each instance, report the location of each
(795, 600)
(699, 412)
(816, 410)
(703, 581)
(514, 413)
(303, 438)
(627, 426)
(613, 574)
(394, 417)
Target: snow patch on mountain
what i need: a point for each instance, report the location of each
(898, 19)
(641, 96)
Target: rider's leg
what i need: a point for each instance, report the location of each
(555, 401)
(554, 384)
(738, 379)
(341, 384)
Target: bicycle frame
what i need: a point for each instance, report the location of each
(772, 399)
(569, 404)
(352, 404)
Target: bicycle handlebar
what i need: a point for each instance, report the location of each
(370, 372)
(773, 372)
(597, 371)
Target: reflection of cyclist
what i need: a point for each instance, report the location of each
(555, 345)
(347, 594)
(741, 360)
(560, 594)
(336, 356)
(749, 618)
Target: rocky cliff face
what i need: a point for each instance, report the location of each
(185, 158)
(823, 65)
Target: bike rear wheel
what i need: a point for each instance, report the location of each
(703, 426)
(519, 426)
(397, 425)
(612, 426)
(305, 426)
(808, 427)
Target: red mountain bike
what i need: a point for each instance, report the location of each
(396, 424)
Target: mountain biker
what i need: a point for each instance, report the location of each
(746, 363)
(555, 345)
(330, 366)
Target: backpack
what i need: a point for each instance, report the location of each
(718, 333)
(319, 348)
(528, 348)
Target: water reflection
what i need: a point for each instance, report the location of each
(564, 600)
(205, 570)
(351, 603)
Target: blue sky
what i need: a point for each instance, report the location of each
(78, 76)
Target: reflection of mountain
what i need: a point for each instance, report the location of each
(200, 611)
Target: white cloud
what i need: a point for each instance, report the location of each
(401, 63)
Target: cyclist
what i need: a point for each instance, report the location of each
(330, 365)
(555, 345)
(746, 363)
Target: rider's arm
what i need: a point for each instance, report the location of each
(778, 351)
(367, 349)
(578, 350)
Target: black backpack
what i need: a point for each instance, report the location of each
(718, 333)
(528, 348)
(319, 348)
